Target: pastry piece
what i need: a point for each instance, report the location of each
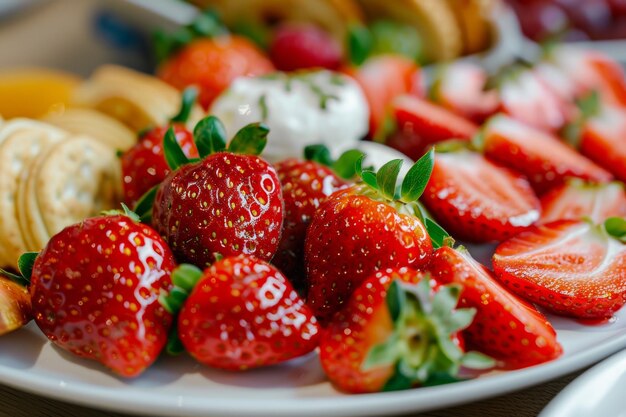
(473, 19)
(95, 124)
(435, 20)
(17, 152)
(135, 99)
(73, 180)
(334, 16)
(15, 307)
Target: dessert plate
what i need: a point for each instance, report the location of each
(180, 386)
(597, 392)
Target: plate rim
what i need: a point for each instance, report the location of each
(108, 398)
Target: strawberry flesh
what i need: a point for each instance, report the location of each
(505, 327)
(569, 267)
(576, 200)
(540, 156)
(476, 200)
(604, 140)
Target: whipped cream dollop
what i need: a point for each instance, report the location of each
(301, 109)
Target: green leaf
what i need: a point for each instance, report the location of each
(207, 25)
(345, 166)
(210, 136)
(25, 264)
(445, 300)
(174, 155)
(390, 37)
(438, 236)
(369, 177)
(440, 378)
(477, 360)
(590, 104)
(250, 140)
(174, 346)
(416, 179)
(129, 213)
(173, 301)
(14, 277)
(396, 300)
(189, 96)
(143, 208)
(398, 382)
(460, 319)
(387, 177)
(359, 43)
(186, 276)
(478, 141)
(358, 166)
(572, 132)
(616, 227)
(385, 353)
(318, 153)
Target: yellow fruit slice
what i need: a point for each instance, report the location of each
(32, 92)
(473, 17)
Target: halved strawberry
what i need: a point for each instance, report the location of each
(524, 97)
(398, 330)
(240, 313)
(505, 327)
(476, 200)
(383, 78)
(570, 267)
(603, 139)
(576, 200)
(591, 70)
(421, 124)
(460, 88)
(541, 157)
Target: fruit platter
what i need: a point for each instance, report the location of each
(345, 208)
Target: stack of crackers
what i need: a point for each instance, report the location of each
(64, 168)
(449, 28)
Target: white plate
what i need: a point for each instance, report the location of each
(179, 386)
(598, 392)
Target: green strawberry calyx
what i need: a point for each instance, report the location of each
(616, 228)
(344, 166)
(589, 106)
(188, 100)
(206, 25)
(421, 347)
(210, 137)
(25, 266)
(383, 186)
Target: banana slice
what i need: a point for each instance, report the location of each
(335, 16)
(473, 17)
(93, 123)
(135, 99)
(434, 19)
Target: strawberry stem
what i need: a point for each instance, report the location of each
(189, 96)
(184, 277)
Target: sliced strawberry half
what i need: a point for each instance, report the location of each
(422, 124)
(525, 97)
(541, 157)
(570, 267)
(505, 327)
(604, 140)
(577, 199)
(476, 200)
(383, 78)
(460, 88)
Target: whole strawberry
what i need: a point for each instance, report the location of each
(306, 184)
(205, 55)
(229, 203)
(241, 313)
(396, 331)
(363, 229)
(144, 165)
(297, 47)
(95, 289)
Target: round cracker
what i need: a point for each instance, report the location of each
(95, 124)
(135, 99)
(12, 126)
(17, 152)
(78, 178)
